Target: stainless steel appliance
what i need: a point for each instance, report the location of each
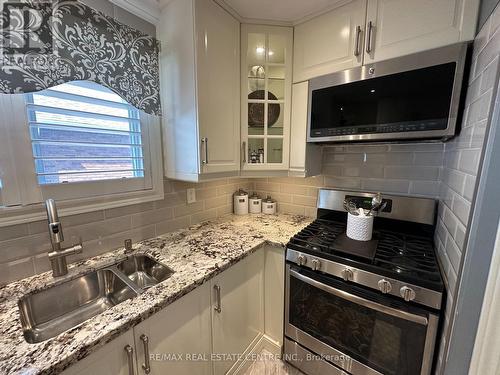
(410, 97)
(369, 307)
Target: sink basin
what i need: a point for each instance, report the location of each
(144, 271)
(50, 312)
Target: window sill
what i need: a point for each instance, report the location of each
(27, 214)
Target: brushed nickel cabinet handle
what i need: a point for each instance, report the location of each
(244, 151)
(204, 148)
(130, 359)
(357, 52)
(145, 366)
(217, 306)
(369, 33)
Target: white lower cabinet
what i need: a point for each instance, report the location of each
(238, 310)
(205, 331)
(111, 359)
(177, 339)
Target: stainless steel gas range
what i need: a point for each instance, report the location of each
(352, 310)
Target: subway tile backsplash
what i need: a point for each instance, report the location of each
(412, 168)
(24, 247)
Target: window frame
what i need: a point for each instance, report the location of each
(22, 196)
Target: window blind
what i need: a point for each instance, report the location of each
(81, 131)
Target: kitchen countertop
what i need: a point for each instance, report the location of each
(196, 254)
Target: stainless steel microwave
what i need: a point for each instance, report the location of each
(416, 96)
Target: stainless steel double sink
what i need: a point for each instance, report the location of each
(49, 312)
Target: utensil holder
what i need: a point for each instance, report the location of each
(359, 228)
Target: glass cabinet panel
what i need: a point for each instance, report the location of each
(267, 86)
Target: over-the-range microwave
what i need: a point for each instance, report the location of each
(416, 96)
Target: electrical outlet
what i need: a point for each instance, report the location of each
(191, 196)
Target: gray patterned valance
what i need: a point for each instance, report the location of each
(46, 43)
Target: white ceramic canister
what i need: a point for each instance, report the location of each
(269, 206)
(359, 227)
(255, 204)
(240, 202)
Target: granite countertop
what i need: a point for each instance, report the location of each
(196, 254)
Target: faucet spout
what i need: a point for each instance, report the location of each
(58, 255)
(55, 228)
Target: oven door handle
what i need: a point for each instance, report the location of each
(361, 301)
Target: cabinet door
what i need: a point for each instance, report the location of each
(305, 158)
(239, 317)
(266, 82)
(327, 43)
(112, 358)
(218, 86)
(178, 337)
(402, 27)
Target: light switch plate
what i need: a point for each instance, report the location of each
(191, 196)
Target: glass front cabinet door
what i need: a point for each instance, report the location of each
(266, 80)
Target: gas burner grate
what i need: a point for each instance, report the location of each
(397, 253)
(319, 235)
(407, 254)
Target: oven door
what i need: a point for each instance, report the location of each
(359, 331)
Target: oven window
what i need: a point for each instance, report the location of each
(383, 342)
(421, 95)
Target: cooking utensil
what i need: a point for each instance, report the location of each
(350, 207)
(376, 202)
(381, 208)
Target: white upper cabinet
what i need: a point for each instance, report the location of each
(305, 158)
(266, 82)
(330, 42)
(401, 27)
(199, 64)
(364, 31)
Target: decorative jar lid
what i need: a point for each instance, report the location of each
(269, 200)
(240, 193)
(254, 196)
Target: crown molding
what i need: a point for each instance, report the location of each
(146, 9)
(259, 21)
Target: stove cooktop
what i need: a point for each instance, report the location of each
(400, 255)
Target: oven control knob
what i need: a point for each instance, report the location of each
(347, 274)
(407, 293)
(384, 286)
(315, 264)
(301, 260)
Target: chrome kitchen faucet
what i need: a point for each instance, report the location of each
(58, 255)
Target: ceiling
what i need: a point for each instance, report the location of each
(284, 11)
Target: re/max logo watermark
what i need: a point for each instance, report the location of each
(26, 28)
(218, 357)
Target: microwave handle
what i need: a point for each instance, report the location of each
(361, 301)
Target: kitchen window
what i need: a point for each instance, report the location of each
(77, 142)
